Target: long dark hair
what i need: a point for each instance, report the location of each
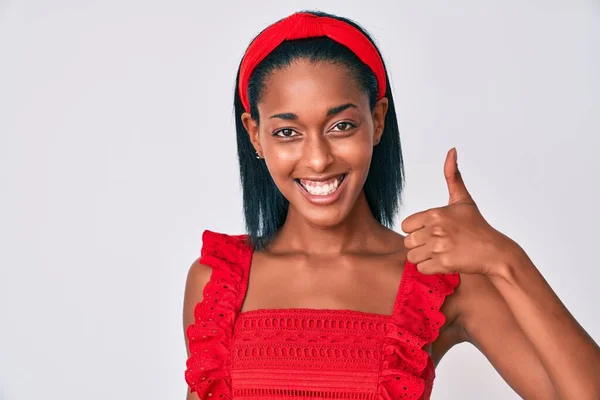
(265, 208)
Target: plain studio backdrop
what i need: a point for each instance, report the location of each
(117, 149)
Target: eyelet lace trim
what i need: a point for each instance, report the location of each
(209, 337)
(416, 322)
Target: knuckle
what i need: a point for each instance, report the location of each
(436, 214)
(438, 230)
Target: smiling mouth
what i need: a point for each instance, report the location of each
(321, 188)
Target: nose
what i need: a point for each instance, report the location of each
(317, 153)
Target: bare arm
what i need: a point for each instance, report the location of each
(569, 355)
(527, 334)
(512, 307)
(486, 321)
(198, 277)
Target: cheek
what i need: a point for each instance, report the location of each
(356, 151)
(281, 163)
(277, 157)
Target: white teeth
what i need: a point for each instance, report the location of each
(320, 188)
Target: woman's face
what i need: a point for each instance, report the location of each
(316, 135)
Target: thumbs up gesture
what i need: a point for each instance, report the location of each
(454, 238)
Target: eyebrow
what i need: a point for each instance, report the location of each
(330, 112)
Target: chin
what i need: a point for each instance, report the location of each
(326, 216)
(325, 219)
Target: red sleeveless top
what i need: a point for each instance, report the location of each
(277, 354)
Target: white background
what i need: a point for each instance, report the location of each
(117, 148)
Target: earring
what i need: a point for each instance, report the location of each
(257, 155)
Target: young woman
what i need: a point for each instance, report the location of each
(321, 299)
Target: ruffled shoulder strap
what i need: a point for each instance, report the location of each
(420, 301)
(415, 323)
(209, 337)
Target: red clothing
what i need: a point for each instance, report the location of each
(277, 354)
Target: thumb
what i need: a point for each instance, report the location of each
(456, 187)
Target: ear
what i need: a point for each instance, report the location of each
(252, 128)
(379, 113)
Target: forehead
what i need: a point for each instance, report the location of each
(303, 86)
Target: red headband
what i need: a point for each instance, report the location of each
(302, 26)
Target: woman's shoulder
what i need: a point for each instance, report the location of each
(199, 273)
(198, 277)
(472, 302)
(474, 294)
(224, 258)
(218, 251)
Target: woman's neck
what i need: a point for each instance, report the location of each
(358, 232)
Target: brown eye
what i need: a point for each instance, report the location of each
(343, 126)
(284, 133)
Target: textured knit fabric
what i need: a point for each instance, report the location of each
(309, 353)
